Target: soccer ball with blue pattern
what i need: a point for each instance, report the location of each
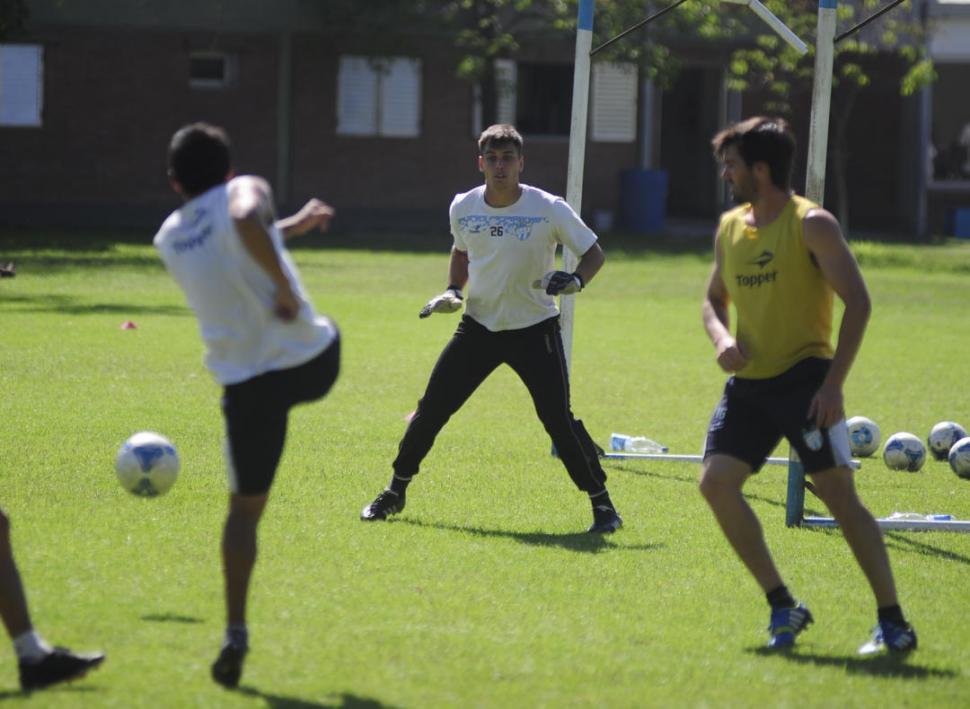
(864, 436)
(960, 458)
(147, 464)
(943, 436)
(904, 451)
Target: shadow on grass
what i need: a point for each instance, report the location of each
(573, 541)
(888, 666)
(693, 480)
(71, 687)
(906, 543)
(71, 306)
(170, 618)
(343, 701)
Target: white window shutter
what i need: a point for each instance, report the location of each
(400, 113)
(21, 84)
(357, 85)
(614, 103)
(506, 85)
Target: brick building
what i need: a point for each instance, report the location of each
(386, 135)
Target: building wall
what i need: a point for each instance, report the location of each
(114, 95)
(113, 98)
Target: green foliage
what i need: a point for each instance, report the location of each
(920, 74)
(485, 592)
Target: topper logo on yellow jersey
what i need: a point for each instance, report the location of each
(757, 280)
(763, 259)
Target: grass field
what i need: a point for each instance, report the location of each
(485, 592)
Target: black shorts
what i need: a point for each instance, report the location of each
(256, 413)
(754, 414)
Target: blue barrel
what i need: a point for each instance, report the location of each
(961, 223)
(643, 200)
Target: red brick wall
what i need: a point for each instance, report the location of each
(113, 98)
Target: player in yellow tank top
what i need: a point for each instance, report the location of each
(779, 258)
(783, 301)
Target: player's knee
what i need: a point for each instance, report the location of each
(719, 481)
(710, 486)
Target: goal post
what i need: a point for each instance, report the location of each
(577, 156)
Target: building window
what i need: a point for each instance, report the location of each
(537, 98)
(21, 84)
(614, 103)
(544, 98)
(379, 96)
(212, 70)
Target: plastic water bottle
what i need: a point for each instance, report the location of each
(635, 444)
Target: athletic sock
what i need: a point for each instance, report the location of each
(780, 598)
(399, 485)
(894, 614)
(601, 499)
(237, 635)
(31, 647)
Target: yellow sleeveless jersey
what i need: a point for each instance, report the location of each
(783, 303)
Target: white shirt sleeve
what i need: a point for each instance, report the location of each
(455, 229)
(571, 229)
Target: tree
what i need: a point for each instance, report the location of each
(762, 60)
(485, 30)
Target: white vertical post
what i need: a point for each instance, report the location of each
(577, 154)
(818, 132)
(818, 145)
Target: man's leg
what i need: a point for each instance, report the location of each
(463, 365)
(40, 665)
(239, 553)
(836, 488)
(722, 480)
(256, 413)
(13, 601)
(536, 355)
(238, 560)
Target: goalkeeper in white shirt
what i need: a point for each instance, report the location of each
(506, 234)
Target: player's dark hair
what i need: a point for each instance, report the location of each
(761, 139)
(198, 157)
(499, 134)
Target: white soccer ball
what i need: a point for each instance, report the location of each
(942, 438)
(904, 451)
(863, 436)
(960, 458)
(147, 464)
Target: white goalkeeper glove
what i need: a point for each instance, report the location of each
(447, 302)
(560, 282)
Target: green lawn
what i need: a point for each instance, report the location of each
(485, 592)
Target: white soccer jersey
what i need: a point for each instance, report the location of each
(233, 297)
(510, 247)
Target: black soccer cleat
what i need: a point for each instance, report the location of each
(227, 669)
(606, 520)
(385, 504)
(61, 665)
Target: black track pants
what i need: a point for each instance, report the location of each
(536, 354)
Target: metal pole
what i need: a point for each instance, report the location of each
(577, 155)
(818, 133)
